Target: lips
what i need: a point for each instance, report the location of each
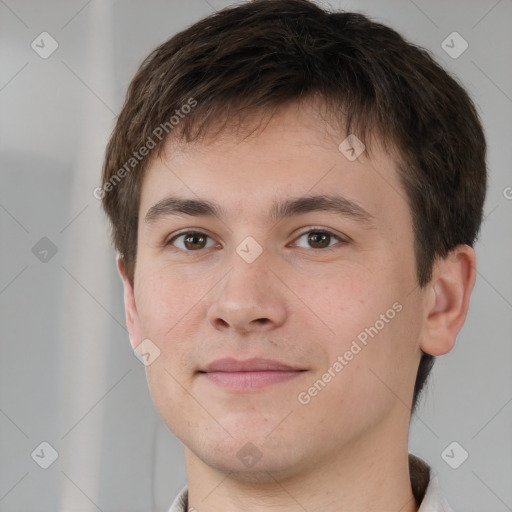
(229, 364)
(249, 375)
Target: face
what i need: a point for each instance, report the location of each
(326, 288)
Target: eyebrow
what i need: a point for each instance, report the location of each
(279, 210)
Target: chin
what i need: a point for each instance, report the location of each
(248, 461)
(261, 471)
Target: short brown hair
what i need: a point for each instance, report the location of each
(263, 54)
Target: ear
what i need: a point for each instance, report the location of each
(447, 301)
(130, 308)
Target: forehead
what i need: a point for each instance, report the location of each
(293, 155)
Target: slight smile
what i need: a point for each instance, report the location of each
(253, 373)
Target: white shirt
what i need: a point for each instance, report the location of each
(432, 500)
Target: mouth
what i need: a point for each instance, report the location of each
(250, 380)
(250, 374)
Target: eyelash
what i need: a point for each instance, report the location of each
(170, 241)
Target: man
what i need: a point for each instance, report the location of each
(294, 197)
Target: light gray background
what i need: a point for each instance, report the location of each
(67, 374)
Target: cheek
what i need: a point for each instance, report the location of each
(384, 370)
(371, 328)
(172, 313)
(346, 300)
(163, 302)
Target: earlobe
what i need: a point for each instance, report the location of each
(130, 307)
(448, 300)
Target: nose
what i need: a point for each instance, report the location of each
(250, 298)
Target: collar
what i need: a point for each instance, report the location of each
(425, 487)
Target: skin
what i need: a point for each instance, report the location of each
(346, 449)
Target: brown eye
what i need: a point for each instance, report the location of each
(319, 239)
(193, 241)
(190, 241)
